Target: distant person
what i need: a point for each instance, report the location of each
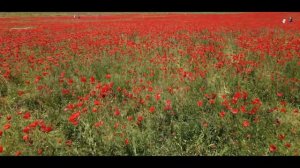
(283, 21)
(290, 19)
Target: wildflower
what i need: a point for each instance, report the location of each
(281, 137)
(97, 103)
(108, 76)
(222, 114)
(99, 124)
(26, 137)
(20, 92)
(18, 153)
(26, 115)
(46, 129)
(65, 91)
(70, 81)
(40, 151)
(34, 124)
(129, 118)
(283, 103)
(272, 148)
(152, 109)
(92, 80)
(246, 123)
(236, 97)
(37, 79)
(69, 142)
(117, 112)
(74, 117)
(83, 79)
(200, 103)
(126, 141)
(234, 111)
(279, 94)
(283, 110)
(140, 118)
(6, 126)
(288, 145)
(256, 101)
(142, 101)
(116, 125)
(243, 109)
(157, 96)
(8, 117)
(212, 101)
(168, 105)
(26, 129)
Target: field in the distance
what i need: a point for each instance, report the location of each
(150, 84)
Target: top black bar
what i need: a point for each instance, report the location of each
(148, 5)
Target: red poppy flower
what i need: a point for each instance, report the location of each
(26, 137)
(288, 145)
(246, 123)
(20, 92)
(212, 101)
(222, 114)
(83, 79)
(140, 118)
(283, 103)
(272, 148)
(69, 142)
(279, 94)
(256, 101)
(40, 151)
(117, 112)
(157, 96)
(108, 76)
(129, 118)
(34, 124)
(8, 117)
(74, 117)
(97, 102)
(70, 81)
(168, 105)
(6, 126)
(65, 91)
(126, 141)
(150, 89)
(46, 129)
(200, 103)
(234, 111)
(152, 109)
(281, 137)
(26, 130)
(26, 115)
(99, 124)
(116, 125)
(18, 153)
(37, 79)
(243, 109)
(92, 80)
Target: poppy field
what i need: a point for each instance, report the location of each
(150, 84)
